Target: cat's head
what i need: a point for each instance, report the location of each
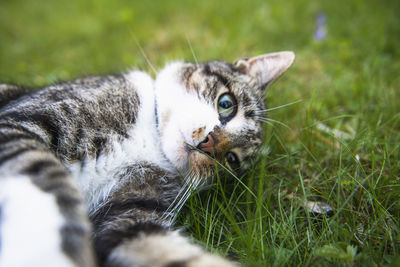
(215, 107)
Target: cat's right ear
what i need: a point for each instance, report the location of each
(265, 68)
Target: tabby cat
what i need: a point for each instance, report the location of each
(94, 171)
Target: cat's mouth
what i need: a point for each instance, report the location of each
(201, 164)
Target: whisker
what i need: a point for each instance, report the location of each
(170, 207)
(191, 49)
(143, 53)
(281, 106)
(191, 183)
(228, 81)
(181, 202)
(269, 121)
(178, 195)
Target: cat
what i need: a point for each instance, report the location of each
(94, 171)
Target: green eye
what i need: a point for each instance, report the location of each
(232, 160)
(227, 106)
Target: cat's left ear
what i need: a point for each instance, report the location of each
(266, 68)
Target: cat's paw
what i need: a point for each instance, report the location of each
(208, 260)
(161, 248)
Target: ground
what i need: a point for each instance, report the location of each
(337, 141)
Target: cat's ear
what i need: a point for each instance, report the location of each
(266, 68)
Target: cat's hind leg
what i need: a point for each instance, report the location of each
(149, 244)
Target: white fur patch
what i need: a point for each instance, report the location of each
(99, 176)
(185, 113)
(30, 226)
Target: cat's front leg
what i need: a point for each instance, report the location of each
(43, 221)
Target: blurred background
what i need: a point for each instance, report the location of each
(46, 40)
(342, 131)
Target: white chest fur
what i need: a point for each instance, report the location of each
(98, 177)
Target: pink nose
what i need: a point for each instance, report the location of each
(207, 145)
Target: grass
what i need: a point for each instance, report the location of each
(341, 141)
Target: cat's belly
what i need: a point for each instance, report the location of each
(98, 177)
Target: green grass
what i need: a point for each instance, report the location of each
(340, 144)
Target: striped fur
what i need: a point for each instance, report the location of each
(101, 165)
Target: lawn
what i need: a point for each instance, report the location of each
(337, 141)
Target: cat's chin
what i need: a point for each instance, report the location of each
(200, 164)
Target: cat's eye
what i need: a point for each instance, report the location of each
(227, 106)
(232, 160)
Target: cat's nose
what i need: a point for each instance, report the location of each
(208, 145)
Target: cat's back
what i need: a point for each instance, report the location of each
(9, 93)
(77, 117)
(82, 118)
(100, 92)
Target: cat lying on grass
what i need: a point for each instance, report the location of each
(94, 171)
